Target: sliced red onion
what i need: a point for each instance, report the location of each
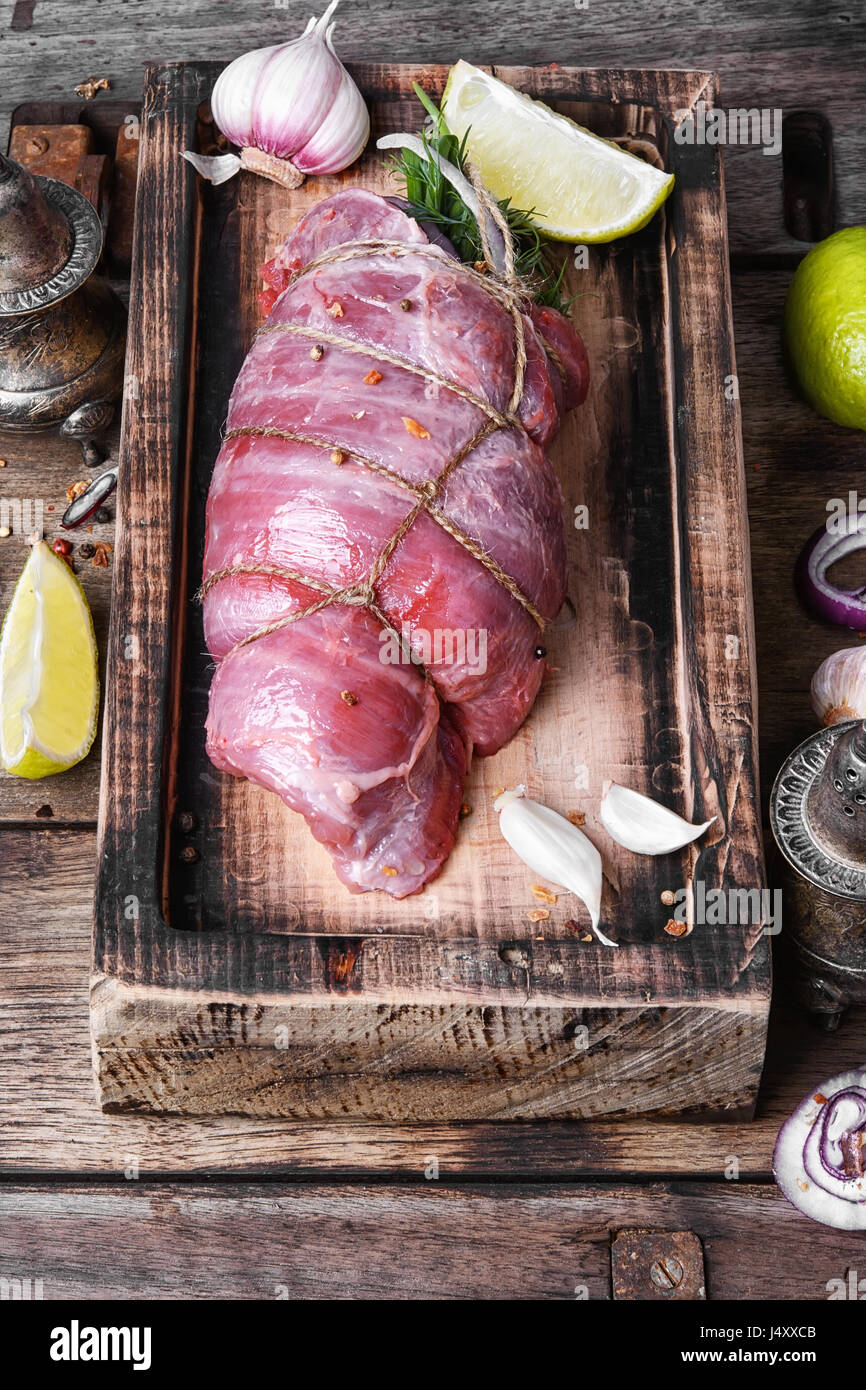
(847, 607)
(820, 1156)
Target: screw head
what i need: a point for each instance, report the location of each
(667, 1273)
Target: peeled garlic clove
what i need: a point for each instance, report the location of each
(839, 687)
(554, 849)
(642, 825)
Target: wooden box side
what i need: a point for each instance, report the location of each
(134, 948)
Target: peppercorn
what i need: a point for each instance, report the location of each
(103, 515)
(405, 305)
(540, 652)
(62, 547)
(189, 854)
(86, 551)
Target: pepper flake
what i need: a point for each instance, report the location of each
(675, 928)
(348, 698)
(373, 377)
(414, 428)
(543, 895)
(336, 310)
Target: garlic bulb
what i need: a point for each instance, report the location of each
(642, 825)
(553, 848)
(293, 109)
(839, 686)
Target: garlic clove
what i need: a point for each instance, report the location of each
(640, 824)
(217, 168)
(328, 143)
(231, 101)
(554, 849)
(838, 690)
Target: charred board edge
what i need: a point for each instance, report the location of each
(132, 943)
(181, 1053)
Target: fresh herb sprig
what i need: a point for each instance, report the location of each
(432, 198)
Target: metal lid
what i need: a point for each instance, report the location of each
(818, 809)
(50, 239)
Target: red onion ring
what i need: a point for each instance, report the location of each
(820, 1155)
(847, 607)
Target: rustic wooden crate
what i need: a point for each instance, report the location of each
(250, 980)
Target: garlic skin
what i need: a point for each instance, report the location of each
(292, 108)
(838, 690)
(553, 848)
(640, 824)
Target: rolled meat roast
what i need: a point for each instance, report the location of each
(378, 480)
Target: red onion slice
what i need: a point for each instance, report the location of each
(820, 1155)
(847, 607)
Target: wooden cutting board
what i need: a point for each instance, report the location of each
(231, 969)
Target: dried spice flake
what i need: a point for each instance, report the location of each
(336, 310)
(543, 895)
(674, 928)
(317, 352)
(348, 698)
(338, 457)
(102, 550)
(465, 810)
(414, 428)
(577, 818)
(389, 870)
(538, 914)
(75, 489)
(90, 86)
(373, 377)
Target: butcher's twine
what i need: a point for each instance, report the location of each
(509, 291)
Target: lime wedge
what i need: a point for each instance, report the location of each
(49, 682)
(579, 187)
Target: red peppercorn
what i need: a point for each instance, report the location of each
(62, 547)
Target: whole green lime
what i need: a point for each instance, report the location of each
(825, 327)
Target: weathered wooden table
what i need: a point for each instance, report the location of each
(97, 1206)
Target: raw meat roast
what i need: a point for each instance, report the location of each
(378, 367)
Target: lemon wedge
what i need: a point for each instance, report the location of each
(578, 186)
(49, 681)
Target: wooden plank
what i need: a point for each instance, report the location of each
(151, 982)
(301, 1242)
(50, 1122)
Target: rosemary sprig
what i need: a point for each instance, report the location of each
(432, 198)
